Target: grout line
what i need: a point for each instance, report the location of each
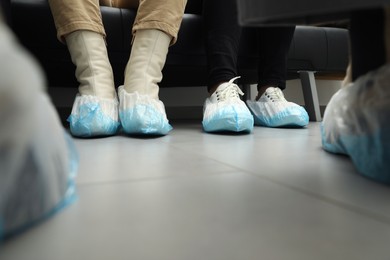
(361, 211)
(146, 179)
(234, 170)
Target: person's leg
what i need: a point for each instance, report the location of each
(271, 108)
(79, 25)
(367, 41)
(366, 33)
(129, 4)
(222, 34)
(163, 15)
(223, 110)
(274, 44)
(70, 16)
(155, 28)
(356, 119)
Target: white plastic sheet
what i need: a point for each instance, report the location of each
(357, 123)
(38, 161)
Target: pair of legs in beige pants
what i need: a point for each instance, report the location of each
(96, 110)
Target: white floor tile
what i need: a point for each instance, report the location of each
(272, 194)
(231, 216)
(294, 157)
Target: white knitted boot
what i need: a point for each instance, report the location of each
(95, 110)
(140, 110)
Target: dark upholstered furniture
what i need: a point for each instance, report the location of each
(304, 12)
(256, 13)
(320, 50)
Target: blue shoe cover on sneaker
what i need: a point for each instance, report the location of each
(37, 171)
(142, 115)
(356, 123)
(278, 114)
(93, 116)
(229, 115)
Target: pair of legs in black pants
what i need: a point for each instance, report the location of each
(222, 40)
(223, 109)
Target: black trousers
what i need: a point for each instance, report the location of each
(367, 39)
(222, 34)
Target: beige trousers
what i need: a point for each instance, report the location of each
(73, 15)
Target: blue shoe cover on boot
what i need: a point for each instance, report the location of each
(93, 116)
(229, 115)
(38, 165)
(141, 114)
(356, 123)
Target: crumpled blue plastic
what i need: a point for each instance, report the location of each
(37, 163)
(68, 197)
(144, 119)
(369, 153)
(356, 123)
(228, 117)
(291, 116)
(91, 121)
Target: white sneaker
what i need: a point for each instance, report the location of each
(225, 111)
(273, 110)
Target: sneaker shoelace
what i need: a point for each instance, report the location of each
(230, 91)
(275, 95)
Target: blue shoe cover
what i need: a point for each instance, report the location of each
(142, 115)
(93, 116)
(37, 173)
(278, 114)
(356, 123)
(229, 115)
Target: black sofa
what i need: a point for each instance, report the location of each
(304, 12)
(320, 50)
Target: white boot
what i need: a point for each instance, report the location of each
(95, 109)
(140, 110)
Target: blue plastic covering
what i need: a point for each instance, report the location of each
(356, 123)
(42, 182)
(67, 198)
(142, 115)
(37, 162)
(279, 114)
(144, 119)
(230, 116)
(88, 119)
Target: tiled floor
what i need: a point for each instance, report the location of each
(271, 195)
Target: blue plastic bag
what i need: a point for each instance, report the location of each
(356, 123)
(38, 161)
